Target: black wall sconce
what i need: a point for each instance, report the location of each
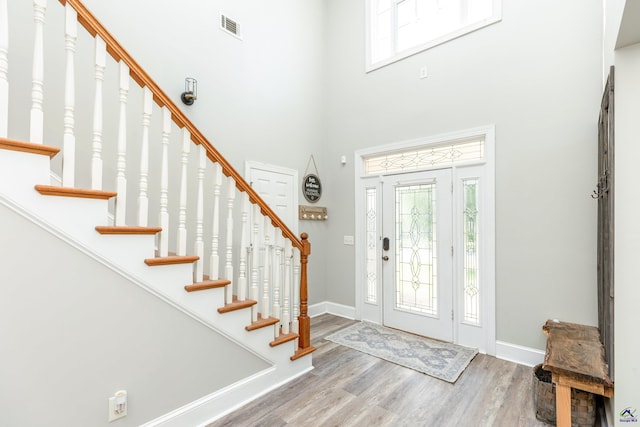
(190, 93)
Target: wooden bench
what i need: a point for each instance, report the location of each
(575, 358)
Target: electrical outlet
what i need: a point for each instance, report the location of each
(423, 72)
(118, 405)
(349, 240)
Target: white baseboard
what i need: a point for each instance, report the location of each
(328, 307)
(519, 354)
(216, 405)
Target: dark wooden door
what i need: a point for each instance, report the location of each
(605, 195)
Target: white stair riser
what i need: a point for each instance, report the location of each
(20, 171)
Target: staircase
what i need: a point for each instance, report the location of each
(174, 217)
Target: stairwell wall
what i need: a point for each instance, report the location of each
(78, 332)
(259, 98)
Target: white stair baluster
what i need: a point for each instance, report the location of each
(242, 274)
(4, 69)
(277, 268)
(199, 244)
(266, 273)
(228, 268)
(163, 236)
(181, 244)
(143, 196)
(255, 246)
(96, 157)
(286, 313)
(36, 129)
(214, 260)
(295, 287)
(69, 139)
(121, 165)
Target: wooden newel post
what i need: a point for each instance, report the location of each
(304, 321)
(304, 340)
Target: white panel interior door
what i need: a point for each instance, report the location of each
(417, 264)
(277, 187)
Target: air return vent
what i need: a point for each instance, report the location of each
(230, 26)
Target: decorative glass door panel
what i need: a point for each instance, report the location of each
(417, 271)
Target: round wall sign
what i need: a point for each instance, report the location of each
(311, 188)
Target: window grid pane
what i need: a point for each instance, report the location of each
(471, 258)
(372, 252)
(420, 24)
(450, 154)
(416, 257)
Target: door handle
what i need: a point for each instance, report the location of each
(385, 244)
(385, 258)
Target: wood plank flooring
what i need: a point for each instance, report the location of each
(349, 388)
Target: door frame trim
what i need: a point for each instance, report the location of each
(365, 311)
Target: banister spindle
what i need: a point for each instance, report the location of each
(36, 126)
(255, 245)
(163, 236)
(199, 244)
(214, 260)
(295, 327)
(121, 164)
(181, 249)
(69, 139)
(266, 275)
(242, 273)
(286, 309)
(4, 69)
(228, 269)
(143, 196)
(277, 268)
(96, 157)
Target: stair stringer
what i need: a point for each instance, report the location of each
(74, 219)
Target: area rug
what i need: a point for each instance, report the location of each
(441, 360)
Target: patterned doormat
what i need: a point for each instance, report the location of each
(441, 360)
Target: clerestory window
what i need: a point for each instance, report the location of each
(400, 28)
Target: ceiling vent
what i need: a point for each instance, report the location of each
(230, 26)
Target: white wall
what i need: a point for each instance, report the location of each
(74, 332)
(537, 76)
(627, 231)
(258, 99)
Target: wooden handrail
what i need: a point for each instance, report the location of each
(94, 27)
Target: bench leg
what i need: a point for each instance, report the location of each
(563, 405)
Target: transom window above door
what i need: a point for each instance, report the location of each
(400, 28)
(457, 152)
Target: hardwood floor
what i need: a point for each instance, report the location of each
(349, 388)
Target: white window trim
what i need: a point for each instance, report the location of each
(369, 66)
(373, 312)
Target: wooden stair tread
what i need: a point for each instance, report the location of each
(236, 305)
(127, 230)
(283, 338)
(262, 323)
(207, 284)
(301, 352)
(51, 190)
(170, 260)
(28, 147)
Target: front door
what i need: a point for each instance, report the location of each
(417, 264)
